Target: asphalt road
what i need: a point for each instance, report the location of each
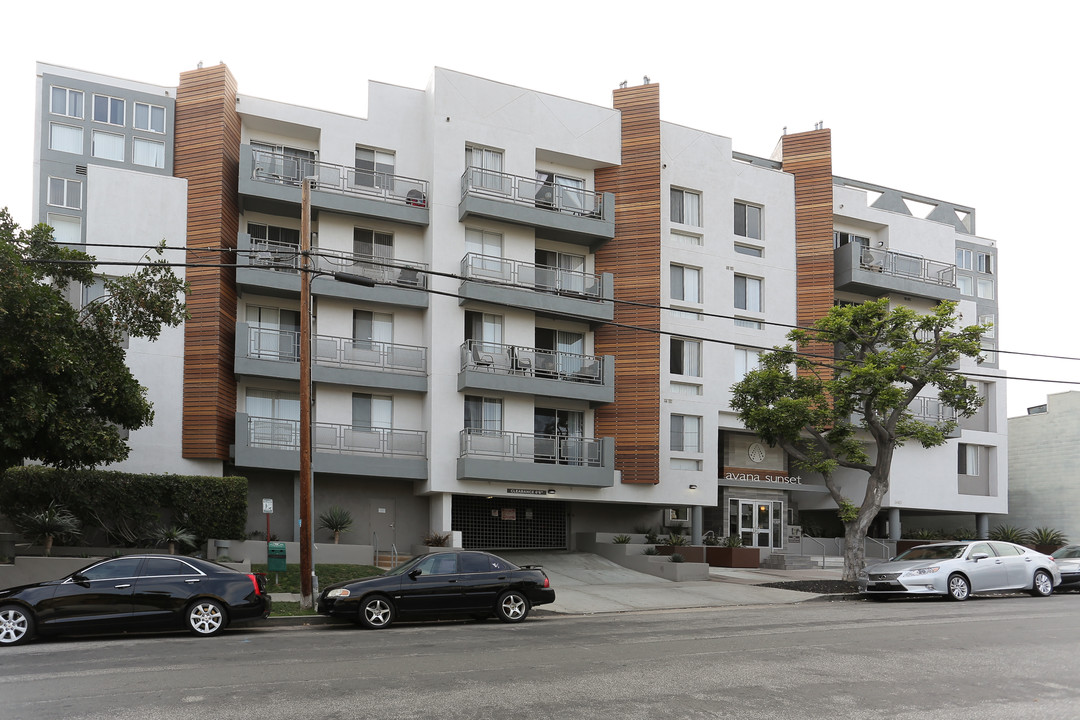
(1002, 657)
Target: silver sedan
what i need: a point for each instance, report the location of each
(958, 569)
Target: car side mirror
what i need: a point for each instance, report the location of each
(415, 573)
(80, 579)
(979, 556)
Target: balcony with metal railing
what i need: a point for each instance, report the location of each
(274, 443)
(934, 411)
(274, 353)
(270, 182)
(535, 371)
(272, 268)
(548, 290)
(877, 272)
(501, 456)
(564, 213)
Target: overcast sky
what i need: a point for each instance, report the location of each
(961, 101)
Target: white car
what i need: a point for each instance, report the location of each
(1067, 560)
(958, 569)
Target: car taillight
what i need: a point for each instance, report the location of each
(255, 582)
(547, 583)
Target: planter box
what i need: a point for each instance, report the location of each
(715, 556)
(690, 553)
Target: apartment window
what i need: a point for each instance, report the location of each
(747, 293)
(984, 288)
(485, 169)
(964, 259)
(274, 333)
(65, 101)
(65, 138)
(685, 207)
(372, 411)
(274, 234)
(686, 239)
(745, 361)
(967, 459)
(988, 320)
(484, 329)
(748, 324)
(374, 168)
(685, 357)
(561, 192)
(984, 263)
(685, 283)
(685, 433)
(841, 238)
(372, 330)
(66, 228)
(108, 110)
(965, 284)
(148, 152)
(65, 193)
(150, 118)
(483, 414)
(563, 272)
(483, 242)
(91, 292)
(282, 163)
(747, 221)
(747, 250)
(107, 146)
(373, 244)
(276, 404)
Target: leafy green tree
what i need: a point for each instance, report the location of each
(65, 390)
(852, 410)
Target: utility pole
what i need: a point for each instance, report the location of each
(305, 395)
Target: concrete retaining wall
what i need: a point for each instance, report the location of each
(630, 555)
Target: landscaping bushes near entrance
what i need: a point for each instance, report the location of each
(125, 509)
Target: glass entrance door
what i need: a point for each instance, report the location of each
(758, 523)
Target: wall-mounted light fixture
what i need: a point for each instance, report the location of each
(693, 487)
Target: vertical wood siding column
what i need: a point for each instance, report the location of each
(808, 156)
(633, 256)
(207, 152)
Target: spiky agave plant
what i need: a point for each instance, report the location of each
(53, 522)
(337, 520)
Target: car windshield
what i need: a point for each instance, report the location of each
(1069, 551)
(933, 552)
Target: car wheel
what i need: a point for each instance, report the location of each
(959, 589)
(1042, 585)
(16, 625)
(376, 613)
(512, 607)
(206, 617)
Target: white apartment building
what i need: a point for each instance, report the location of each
(563, 295)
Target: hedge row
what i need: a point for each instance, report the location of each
(128, 505)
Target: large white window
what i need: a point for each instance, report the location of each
(65, 193)
(685, 357)
(66, 228)
(483, 414)
(964, 259)
(374, 168)
(148, 152)
(274, 234)
(685, 433)
(685, 283)
(274, 333)
(747, 221)
(485, 169)
(372, 330)
(685, 207)
(277, 404)
(984, 288)
(65, 101)
(965, 284)
(372, 411)
(745, 361)
(107, 146)
(150, 118)
(988, 320)
(65, 138)
(483, 242)
(984, 263)
(108, 110)
(967, 459)
(484, 329)
(747, 293)
(373, 244)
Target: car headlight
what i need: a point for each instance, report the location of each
(862, 575)
(923, 571)
(338, 593)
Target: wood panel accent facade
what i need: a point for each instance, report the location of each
(207, 154)
(634, 259)
(808, 156)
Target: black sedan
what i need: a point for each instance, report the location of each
(134, 593)
(476, 584)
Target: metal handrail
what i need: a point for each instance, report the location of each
(387, 271)
(532, 362)
(532, 447)
(281, 169)
(533, 192)
(284, 346)
(884, 546)
(393, 555)
(891, 262)
(284, 434)
(819, 542)
(475, 266)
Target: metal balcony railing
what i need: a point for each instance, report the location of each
(531, 362)
(908, 266)
(531, 447)
(332, 351)
(532, 192)
(530, 275)
(272, 167)
(285, 257)
(280, 434)
(929, 409)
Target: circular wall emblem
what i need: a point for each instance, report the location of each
(756, 452)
